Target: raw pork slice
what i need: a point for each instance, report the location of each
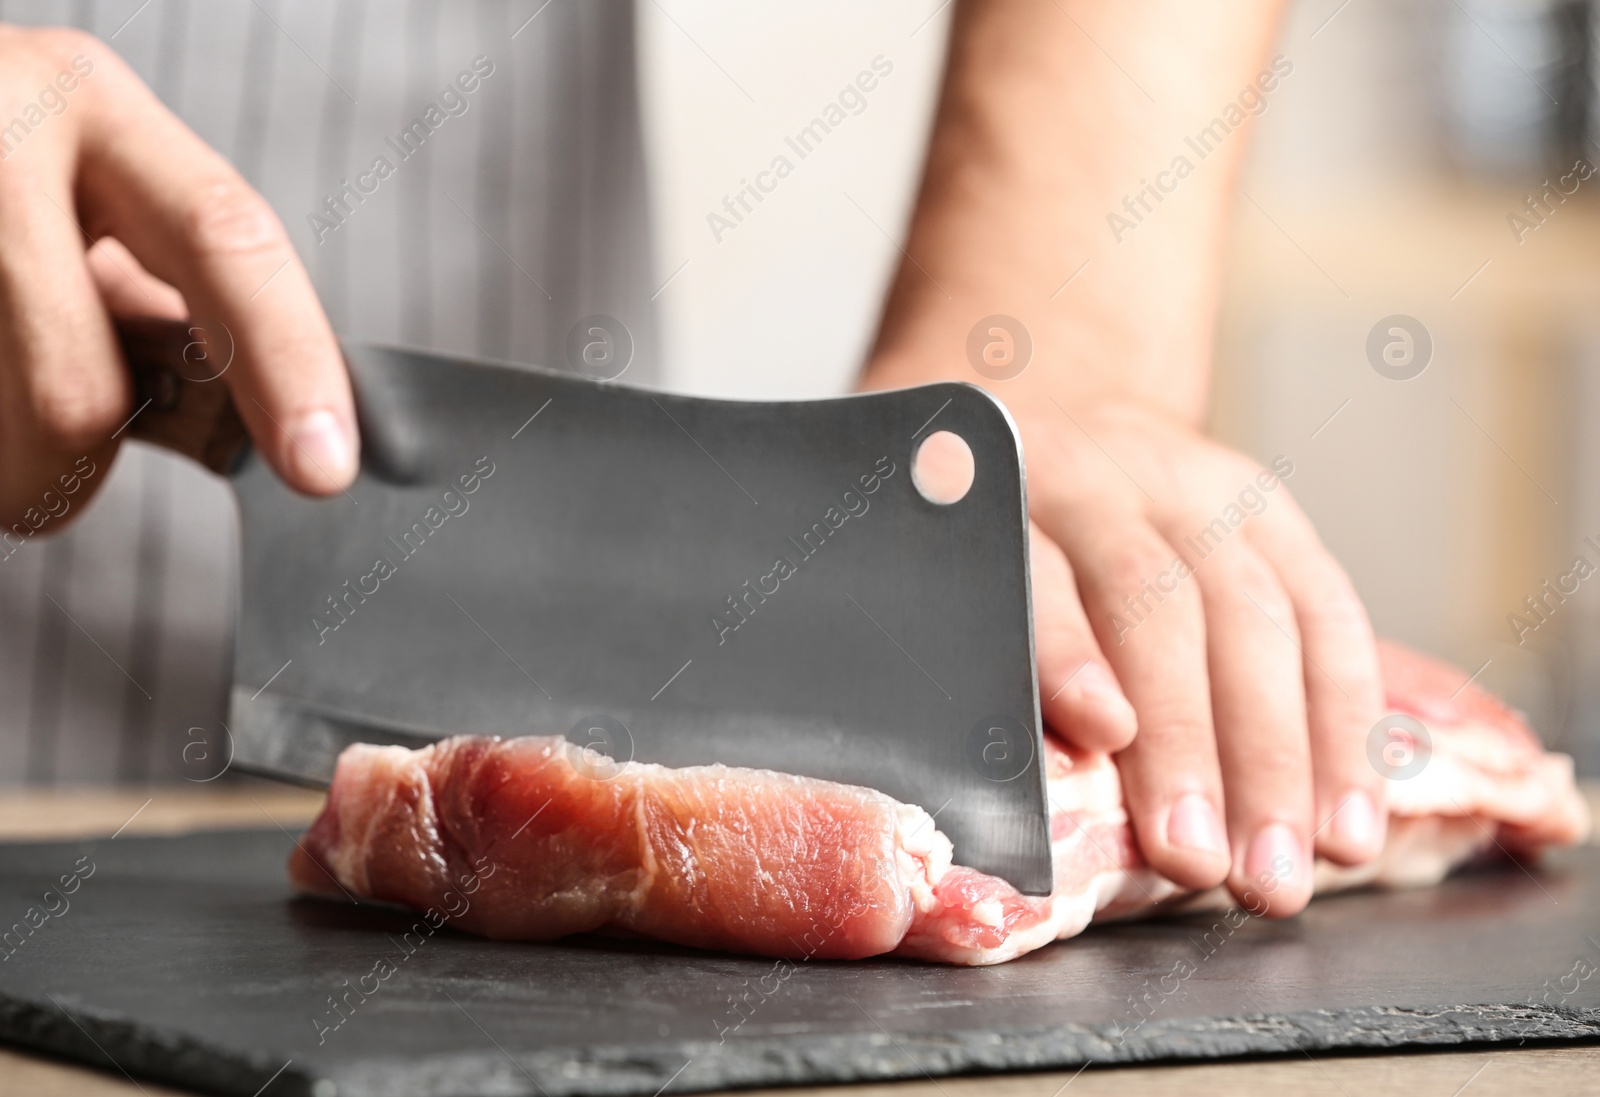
(526, 839)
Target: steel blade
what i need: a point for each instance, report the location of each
(662, 578)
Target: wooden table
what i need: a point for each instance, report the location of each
(47, 814)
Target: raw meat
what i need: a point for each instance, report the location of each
(736, 859)
(526, 839)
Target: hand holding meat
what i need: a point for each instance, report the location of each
(1236, 680)
(1238, 639)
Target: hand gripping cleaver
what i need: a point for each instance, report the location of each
(656, 577)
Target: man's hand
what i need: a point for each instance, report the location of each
(110, 205)
(1188, 619)
(1186, 575)
(1186, 615)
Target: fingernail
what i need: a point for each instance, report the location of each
(1356, 821)
(320, 449)
(1274, 854)
(1193, 824)
(1095, 684)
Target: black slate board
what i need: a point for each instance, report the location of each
(188, 960)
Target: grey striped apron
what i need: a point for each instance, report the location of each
(514, 205)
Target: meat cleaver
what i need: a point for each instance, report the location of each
(660, 578)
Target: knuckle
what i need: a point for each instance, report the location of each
(1283, 755)
(1063, 639)
(1143, 579)
(1248, 576)
(1237, 468)
(226, 219)
(65, 43)
(1342, 713)
(1332, 604)
(75, 415)
(43, 72)
(36, 53)
(1138, 563)
(57, 39)
(1171, 723)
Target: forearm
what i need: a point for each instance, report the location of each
(1071, 140)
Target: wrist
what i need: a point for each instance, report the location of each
(1037, 360)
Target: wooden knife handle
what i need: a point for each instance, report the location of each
(184, 403)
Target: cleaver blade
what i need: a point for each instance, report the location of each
(659, 578)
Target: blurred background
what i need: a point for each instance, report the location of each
(1410, 166)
